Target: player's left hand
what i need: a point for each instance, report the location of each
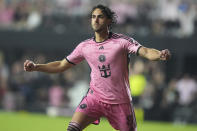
(165, 55)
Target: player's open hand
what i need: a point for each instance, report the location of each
(29, 66)
(165, 54)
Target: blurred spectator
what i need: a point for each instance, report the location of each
(6, 15)
(186, 87)
(56, 93)
(21, 14)
(124, 10)
(169, 10)
(137, 82)
(187, 15)
(4, 75)
(152, 96)
(169, 15)
(4, 72)
(80, 8)
(145, 8)
(158, 81)
(77, 92)
(169, 101)
(34, 20)
(8, 101)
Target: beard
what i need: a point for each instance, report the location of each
(98, 28)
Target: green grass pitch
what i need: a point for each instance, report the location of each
(37, 122)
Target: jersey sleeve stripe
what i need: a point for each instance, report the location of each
(116, 36)
(138, 50)
(70, 61)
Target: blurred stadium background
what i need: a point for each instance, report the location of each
(48, 30)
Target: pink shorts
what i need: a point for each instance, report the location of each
(120, 116)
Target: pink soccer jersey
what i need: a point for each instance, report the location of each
(108, 61)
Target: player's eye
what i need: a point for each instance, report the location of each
(101, 16)
(93, 16)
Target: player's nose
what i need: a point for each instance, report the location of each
(96, 19)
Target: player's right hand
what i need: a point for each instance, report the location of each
(29, 66)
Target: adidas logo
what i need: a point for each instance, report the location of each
(101, 48)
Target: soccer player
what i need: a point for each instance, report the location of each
(107, 55)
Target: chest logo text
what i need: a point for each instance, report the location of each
(105, 70)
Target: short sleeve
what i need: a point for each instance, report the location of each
(76, 56)
(132, 46)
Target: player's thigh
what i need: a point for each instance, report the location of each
(122, 117)
(82, 119)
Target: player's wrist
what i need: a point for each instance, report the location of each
(36, 67)
(161, 55)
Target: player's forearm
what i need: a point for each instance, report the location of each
(152, 54)
(52, 67)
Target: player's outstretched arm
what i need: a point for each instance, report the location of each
(52, 67)
(153, 54)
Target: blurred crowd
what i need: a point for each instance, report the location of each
(159, 17)
(35, 91)
(173, 100)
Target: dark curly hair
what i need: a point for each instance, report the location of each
(107, 12)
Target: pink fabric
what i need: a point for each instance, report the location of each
(120, 116)
(109, 66)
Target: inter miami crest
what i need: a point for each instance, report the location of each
(102, 58)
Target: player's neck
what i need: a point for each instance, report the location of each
(101, 36)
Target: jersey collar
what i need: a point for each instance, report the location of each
(110, 35)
